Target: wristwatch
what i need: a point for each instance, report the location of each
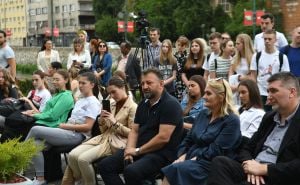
(137, 151)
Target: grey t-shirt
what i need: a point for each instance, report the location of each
(6, 53)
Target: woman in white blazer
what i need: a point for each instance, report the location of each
(251, 110)
(46, 56)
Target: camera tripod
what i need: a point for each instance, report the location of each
(147, 58)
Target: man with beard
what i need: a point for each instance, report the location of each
(153, 139)
(272, 156)
(7, 55)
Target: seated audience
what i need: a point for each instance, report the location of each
(215, 132)
(153, 139)
(56, 110)
(113, 125)
(193, 102)
(251, 110)
(74, 131)
(272, 156)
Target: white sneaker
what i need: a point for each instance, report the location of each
(37, 182)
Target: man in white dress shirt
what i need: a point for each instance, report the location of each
(267, 23)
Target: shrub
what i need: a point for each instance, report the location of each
(15, 157)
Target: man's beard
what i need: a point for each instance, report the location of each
(149, 95)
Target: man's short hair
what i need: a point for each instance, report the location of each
(270, 31)
(3, 32)
(56, 65)
(288, 80)
(155, 29)
(154, 71)
(214, 35)
(268, 15)
(127, 44)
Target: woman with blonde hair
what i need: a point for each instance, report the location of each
(79, 56)
(240, 66)
(194, 62)
(216, 132)
(166, 64)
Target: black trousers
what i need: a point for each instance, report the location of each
(143, 168)
(227, 171)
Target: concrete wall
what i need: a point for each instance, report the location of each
(26, 55)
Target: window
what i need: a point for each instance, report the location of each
(57, 9)
(226, 5)
(32, 12)
(65, 22)
(72, 7)
(32, 24)
(38, 11)
(45, 10)
(45, 24)
(65, 8)
(72, 22)
(57, 23)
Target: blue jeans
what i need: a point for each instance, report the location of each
(145, 167)
(51, 137)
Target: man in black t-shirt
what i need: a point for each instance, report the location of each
(153, 139)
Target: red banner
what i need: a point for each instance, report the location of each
(47, 32)
(248, 17)
(8, 32)
(55, 32)
(121, 26)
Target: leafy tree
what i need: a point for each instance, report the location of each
(106, 28)
(107, 7)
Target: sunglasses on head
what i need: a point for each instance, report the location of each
(217, 80)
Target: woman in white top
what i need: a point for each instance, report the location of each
(38, 97)
(46, 56)
(251, 111)
(79, 57)
(77, 129)
(240, 66)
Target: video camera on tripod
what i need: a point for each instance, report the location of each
(142, 25)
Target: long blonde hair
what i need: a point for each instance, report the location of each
(222, 86)
(248, 51)
(190, 58)
(169, 55)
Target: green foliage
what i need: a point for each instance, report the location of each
(107, 7)
(25, 85)
(26, 68)
(16, 156)
(107, 28)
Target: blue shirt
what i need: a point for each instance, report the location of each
(194, 110)
(293, 55)
(207, 140)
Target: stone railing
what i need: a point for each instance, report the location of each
(28, 55)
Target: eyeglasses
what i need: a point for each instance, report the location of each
(218, 79)
(102, 46)
(225, 38)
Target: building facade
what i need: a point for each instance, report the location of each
(13, 21)
(59, 18)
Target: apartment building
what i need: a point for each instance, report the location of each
(59, 20)
(13, 21)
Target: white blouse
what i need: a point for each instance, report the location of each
(250, 120)
(44, 62)
(84, 57)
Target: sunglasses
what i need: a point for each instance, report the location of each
(220, 79)
(102, 46)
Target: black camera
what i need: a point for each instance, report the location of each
(142, 23)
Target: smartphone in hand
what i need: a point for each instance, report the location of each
(106, 105)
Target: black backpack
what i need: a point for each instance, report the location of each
(258, 55)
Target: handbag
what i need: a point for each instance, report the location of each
(8, 106)
(117, 142)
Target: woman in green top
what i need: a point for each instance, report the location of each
(59, 106)
(55, 112)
